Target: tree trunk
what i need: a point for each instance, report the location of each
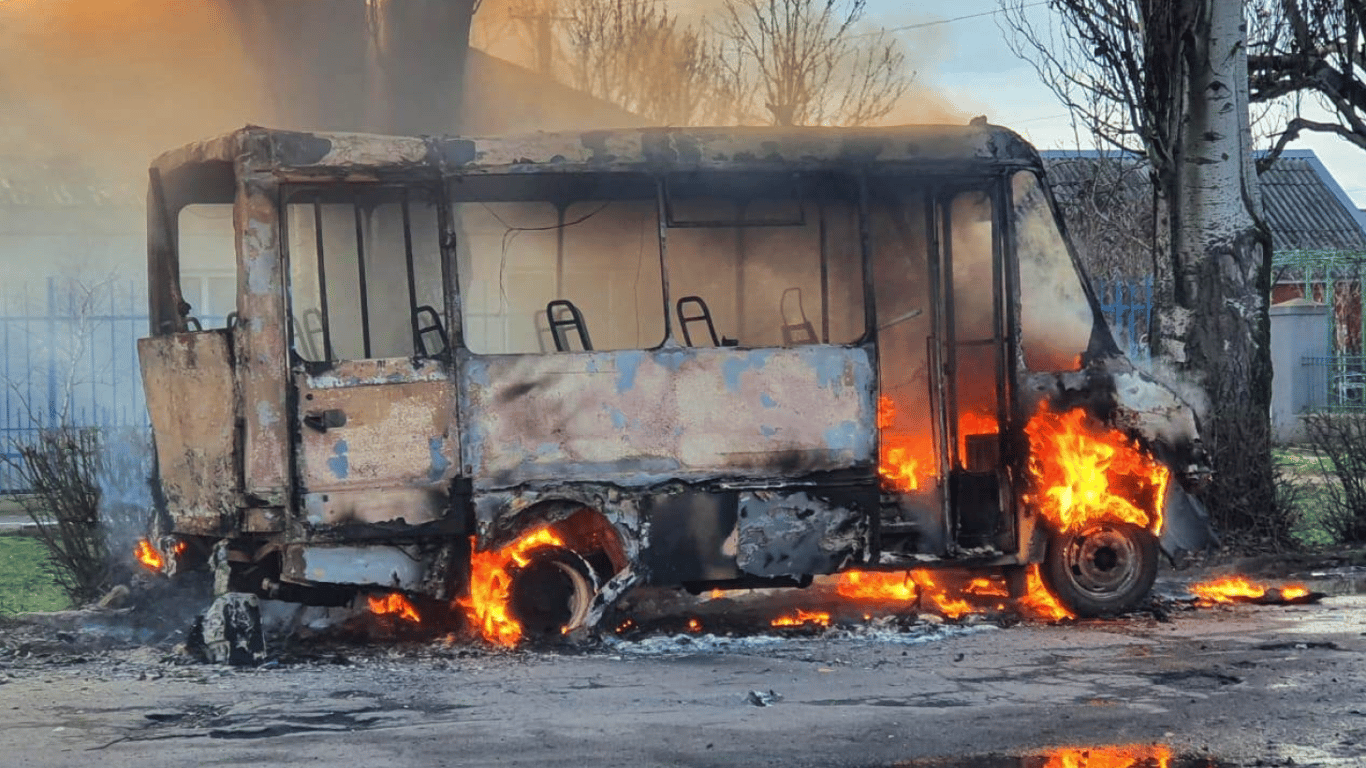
(390, 66)
(1215, 328)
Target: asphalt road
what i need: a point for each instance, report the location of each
(1245, 685)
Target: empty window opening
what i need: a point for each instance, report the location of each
(773, 260)
(552, 264)
(366, 277)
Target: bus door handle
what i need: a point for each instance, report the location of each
(325, 420)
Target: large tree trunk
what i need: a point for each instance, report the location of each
(1215, 327)
(389, 66)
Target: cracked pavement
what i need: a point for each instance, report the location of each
(1251, 685)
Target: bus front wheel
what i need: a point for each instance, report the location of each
(1103, 569)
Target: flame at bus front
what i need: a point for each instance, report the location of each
(486, 606)
(1080, 467)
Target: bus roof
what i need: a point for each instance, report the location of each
(926, 148)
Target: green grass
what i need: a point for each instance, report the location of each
(1310, 495)
(24, 582)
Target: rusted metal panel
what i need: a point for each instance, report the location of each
(189, 385)
(295, 155)
(392, 567)
(797, 534)
(641, 417)
(377, 442)
(260, 347)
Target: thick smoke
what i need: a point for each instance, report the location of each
(125, 492)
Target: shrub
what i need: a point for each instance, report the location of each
(1339, 444)
(59, 466)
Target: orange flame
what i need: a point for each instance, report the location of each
(949, 604)
(901, 456)
(986, 588)
(694, 625)
(904, 587)
(1229, 589)
(394, 603)
(1130, 756)
(972, 423)
(1038, 602)
(906, 462)
(803, 617)
(486, 606)
(1075, 462)
(921, 586)
(877, 585)
(148, 555)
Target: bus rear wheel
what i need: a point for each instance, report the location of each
(553, 592)
(1104, 569)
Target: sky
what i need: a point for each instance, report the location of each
(967, 61)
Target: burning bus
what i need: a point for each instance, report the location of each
(522, 376)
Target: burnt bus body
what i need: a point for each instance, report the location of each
(681, 348)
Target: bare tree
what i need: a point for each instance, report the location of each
(1311, 50)
(811, 64)
(804, 62)
(1168, 79)
(637, 54)
(1107, 202)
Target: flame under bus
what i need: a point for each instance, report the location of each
(708, 358)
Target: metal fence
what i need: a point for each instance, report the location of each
(68, 357)
(1128, 308)
(1337, 382)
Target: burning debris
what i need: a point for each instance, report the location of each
(953, 594)
(393, 604)
(148, 556)
(1124, 756)
(1128, 756)
(802, 619)
(1238, 589)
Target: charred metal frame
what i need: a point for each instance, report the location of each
(488, 480)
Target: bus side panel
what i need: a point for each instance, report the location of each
(189, 383)
(640, 417)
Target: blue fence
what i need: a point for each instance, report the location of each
(1128, 308)
(68, 356)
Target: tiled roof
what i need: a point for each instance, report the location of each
(1304, 212)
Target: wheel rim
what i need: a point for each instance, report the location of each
(1103, 561)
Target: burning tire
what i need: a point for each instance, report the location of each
(1104, 569)
(553, 592)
